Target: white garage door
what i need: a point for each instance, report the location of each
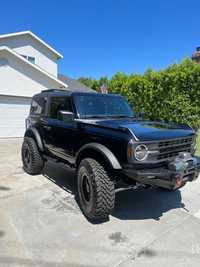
(13, 112)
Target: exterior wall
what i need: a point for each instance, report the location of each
(28, 46)
(17, 78)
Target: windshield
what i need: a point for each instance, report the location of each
(102, 106)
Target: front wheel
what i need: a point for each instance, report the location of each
(31, 157)
(95, 190)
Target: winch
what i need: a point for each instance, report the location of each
(184, 161)
(185, 168)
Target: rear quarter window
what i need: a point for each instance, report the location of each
(38, 106)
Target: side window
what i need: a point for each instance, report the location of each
(38, 106)
(59, 103)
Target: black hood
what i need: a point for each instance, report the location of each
(148, 130)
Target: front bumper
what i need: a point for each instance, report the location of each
(166, 177)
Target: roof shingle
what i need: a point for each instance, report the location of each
(74, 85)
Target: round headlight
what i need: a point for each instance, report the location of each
(141, 152)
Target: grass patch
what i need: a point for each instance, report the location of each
(198, 145)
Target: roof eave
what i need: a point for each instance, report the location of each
(5, 48)
(10, 35)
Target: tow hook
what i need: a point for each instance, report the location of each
(180, 181)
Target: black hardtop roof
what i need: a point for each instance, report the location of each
(69, 93)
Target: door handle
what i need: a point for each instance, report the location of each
(47, 127)
(43, 121)
(45, 124)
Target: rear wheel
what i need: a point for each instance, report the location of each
(95, 190)
(31, 158)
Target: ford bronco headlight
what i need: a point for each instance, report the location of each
(141, 152)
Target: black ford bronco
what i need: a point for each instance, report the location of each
(110, 147)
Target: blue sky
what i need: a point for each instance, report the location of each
(101, 37)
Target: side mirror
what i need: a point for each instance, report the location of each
(64, 115)
(141, 115)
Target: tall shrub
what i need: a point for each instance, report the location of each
(172, 94)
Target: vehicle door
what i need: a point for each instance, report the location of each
(60, 134)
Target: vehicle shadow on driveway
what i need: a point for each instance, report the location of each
(141, 204)
(61, 175)
(138, 204)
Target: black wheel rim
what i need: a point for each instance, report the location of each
(86, 189)
(27, 157)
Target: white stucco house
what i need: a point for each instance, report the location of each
(27, 66)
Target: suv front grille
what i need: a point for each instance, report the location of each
(171, 148)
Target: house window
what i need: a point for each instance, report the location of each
(31, 59)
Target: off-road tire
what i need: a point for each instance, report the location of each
(102, 199)
(36, 162)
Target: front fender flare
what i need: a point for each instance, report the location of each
(104, 151)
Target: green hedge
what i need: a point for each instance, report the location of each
(172, 94)
(198, 146)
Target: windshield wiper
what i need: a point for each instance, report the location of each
(94, 116)
(107, 116)
(121, 116)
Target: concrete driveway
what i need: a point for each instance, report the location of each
(41, 224)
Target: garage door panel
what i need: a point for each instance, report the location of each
(12, 116)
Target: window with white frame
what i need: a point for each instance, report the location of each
(31, 59)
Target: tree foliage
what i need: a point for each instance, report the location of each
(172, 94)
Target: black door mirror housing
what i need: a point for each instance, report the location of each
(64, 115)
(141, 115)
